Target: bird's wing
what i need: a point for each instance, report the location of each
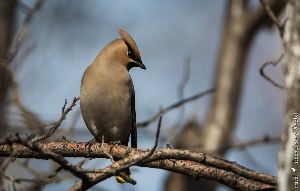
(133, 128)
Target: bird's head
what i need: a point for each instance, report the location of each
(124, 51)
(132, 51)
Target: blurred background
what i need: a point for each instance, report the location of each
(179, 42)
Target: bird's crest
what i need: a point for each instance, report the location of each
(130, 42)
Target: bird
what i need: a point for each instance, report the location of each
(107, 96)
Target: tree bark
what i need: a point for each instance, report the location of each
(289, 167)
(194, 164)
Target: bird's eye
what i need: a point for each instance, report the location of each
(130, 53)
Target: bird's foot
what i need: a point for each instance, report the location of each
(89, 145)
(127, 152)
(114, 143)
(169, 146)
(64, 139)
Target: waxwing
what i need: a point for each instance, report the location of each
(107, 93)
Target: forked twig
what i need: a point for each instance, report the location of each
(280, 25)
(64, 112)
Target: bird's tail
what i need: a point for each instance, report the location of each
(125, 172)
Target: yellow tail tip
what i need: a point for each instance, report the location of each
(121, 180)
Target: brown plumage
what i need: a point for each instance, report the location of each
(107, 92)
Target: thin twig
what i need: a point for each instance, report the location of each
(269, 79)
(280, 25)
(32, 144)
(22, 33)
(30, 118)
(40, 180)
(64, 112)
(173, 106)
(260, 140)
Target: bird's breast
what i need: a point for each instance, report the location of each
(106, 105)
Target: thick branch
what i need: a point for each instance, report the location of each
(197, 165)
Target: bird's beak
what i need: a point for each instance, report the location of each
(140, 64)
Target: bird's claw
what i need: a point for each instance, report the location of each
(127, 152)
(115, 143)
(89, 145)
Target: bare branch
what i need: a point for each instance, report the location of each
(260, 140)
(266, 77)
(64, 112)
(266, 139)
(271, 14)
(173, 106)
(30, 118)
(197, 165)
(22, 32)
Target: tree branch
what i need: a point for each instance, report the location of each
(175, 105)
(280, 25)
(266, 77)
(197, 165)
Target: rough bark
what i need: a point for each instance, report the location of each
(289, 154)
(196, 165)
